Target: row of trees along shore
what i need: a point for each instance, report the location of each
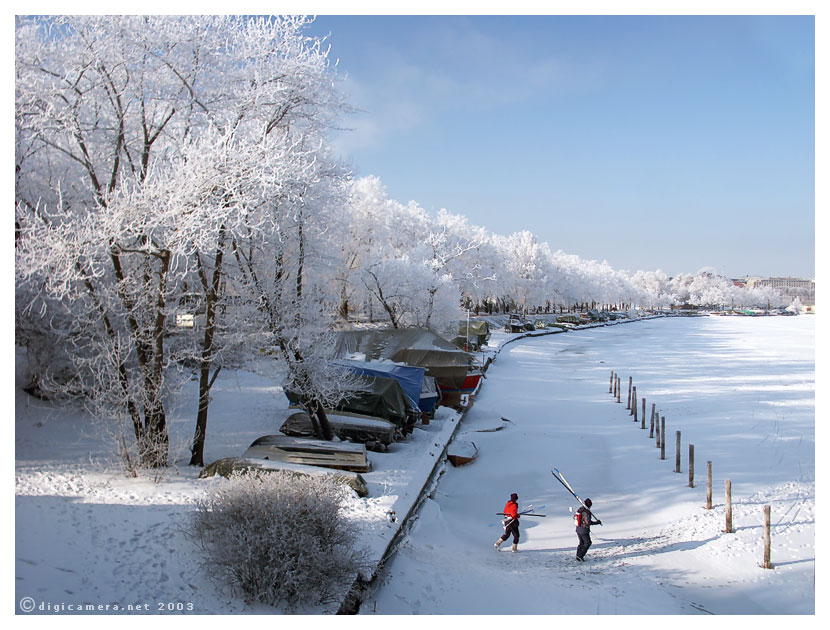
(172, 163)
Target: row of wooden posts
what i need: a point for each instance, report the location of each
(657, 432)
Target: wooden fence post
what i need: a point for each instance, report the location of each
(767, 563)
(663, 439)
(709, 485)
(618, 389)
(643, 421)
(728, 506)
(677, 453)
(611, 382)
(691, 465)
(657, 430)
(634, 404)
(628, 404)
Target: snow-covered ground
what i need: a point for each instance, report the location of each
(87, 535)
(740, 389)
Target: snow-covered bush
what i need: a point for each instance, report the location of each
(279, 538)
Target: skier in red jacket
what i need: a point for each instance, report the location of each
(511, 523)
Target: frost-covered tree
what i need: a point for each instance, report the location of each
(705, 288)
(655, 287)
(412, 265)
(453, 244)
(289, 267)
(795, 306)
(139, 147)
(390, 257)
(528, 264)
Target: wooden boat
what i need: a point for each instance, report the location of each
(338, 455)
(345, 425)
(462, 452)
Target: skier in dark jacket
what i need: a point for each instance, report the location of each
(584, 519)
(511, 523)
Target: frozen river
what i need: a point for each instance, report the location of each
(740, 389)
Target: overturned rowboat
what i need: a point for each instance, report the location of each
(345, 425)
(462, 452)
(337, 455)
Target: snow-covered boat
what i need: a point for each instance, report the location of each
(462, 452)
(413, 346)
(338, 455)
(345, 425)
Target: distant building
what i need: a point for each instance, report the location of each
(805, 290)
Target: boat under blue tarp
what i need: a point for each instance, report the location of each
(411, 378)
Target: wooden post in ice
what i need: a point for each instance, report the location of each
(634, 403)
(628, 404)
(619, 390)
(708, 485)
(611, 382)
(657, 431)
(767, 563)
(691, 465)
(663, 439)
(728, 506)
(643, 420)
(677, 454)
(651, 430)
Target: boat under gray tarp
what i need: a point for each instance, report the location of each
(412, 346)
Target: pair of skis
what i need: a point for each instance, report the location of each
(561, 479)
(528, 511)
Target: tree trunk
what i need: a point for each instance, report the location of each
(325, 427)
(205, 382)
(156, 422)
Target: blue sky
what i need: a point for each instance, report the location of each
(671, 142)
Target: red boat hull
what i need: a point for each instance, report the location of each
(455, 396)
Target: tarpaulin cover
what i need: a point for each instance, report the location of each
(478, 328)
(378, 396)
(413, 346)
(410, 377)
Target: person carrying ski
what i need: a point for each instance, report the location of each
(584, 519)
(511, 523)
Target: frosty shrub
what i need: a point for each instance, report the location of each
(279, 538)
